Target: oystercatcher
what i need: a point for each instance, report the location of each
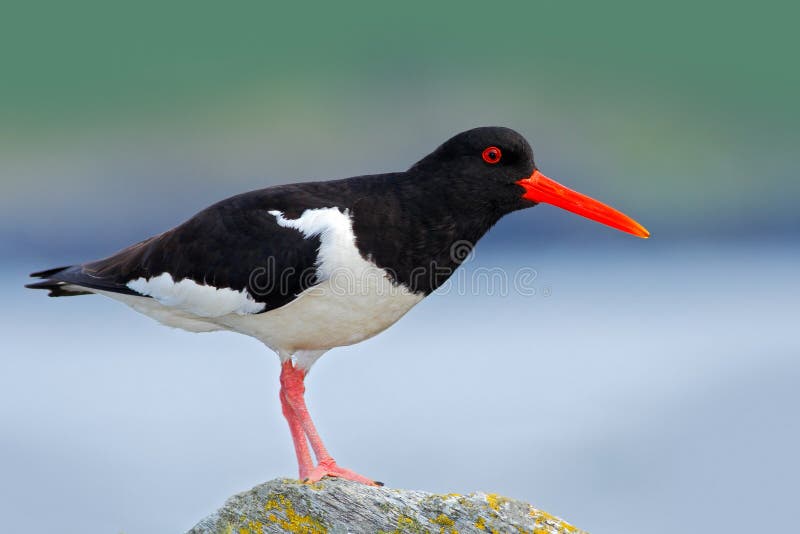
(311, 266)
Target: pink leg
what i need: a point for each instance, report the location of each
(304, 461)
(293, 388)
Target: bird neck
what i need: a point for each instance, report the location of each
(419, 231)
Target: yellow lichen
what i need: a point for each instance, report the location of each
(406, 524)
(250, 527)
(495, 501)
(445, 523)
(294, 522)
(405, 520)
(254, 527)
(316, 486)
(551, 520)
(480, 524)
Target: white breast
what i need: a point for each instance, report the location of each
(353, 300)
(327, 316)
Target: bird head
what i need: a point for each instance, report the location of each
(496, 164)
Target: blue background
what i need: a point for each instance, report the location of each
(645, 386)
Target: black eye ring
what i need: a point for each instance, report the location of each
(492, 155)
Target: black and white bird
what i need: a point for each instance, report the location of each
(311, 266)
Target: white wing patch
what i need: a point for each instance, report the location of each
(198, 299)
(337, 248)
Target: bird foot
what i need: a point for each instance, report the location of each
(328, 468)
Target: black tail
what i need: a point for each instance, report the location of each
(57, 288)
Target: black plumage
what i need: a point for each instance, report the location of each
(405, 231)
(406, 223)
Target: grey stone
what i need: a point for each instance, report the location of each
(339, 506)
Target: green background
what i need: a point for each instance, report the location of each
(684, 115)
(647, 386)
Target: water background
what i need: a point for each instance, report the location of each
(654, 385)
(646, 386)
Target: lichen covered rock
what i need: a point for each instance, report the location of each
(338, 506)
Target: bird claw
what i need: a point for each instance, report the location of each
(328, 468)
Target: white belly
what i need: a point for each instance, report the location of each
(329, 315)
(340, 311)
(353, 299)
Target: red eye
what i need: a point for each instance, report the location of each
(492, 155)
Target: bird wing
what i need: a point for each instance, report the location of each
(230, 257)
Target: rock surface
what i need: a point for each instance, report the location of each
(338, 506)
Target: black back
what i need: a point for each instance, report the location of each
(417, 225)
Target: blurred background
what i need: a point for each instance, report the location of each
(646, 385)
